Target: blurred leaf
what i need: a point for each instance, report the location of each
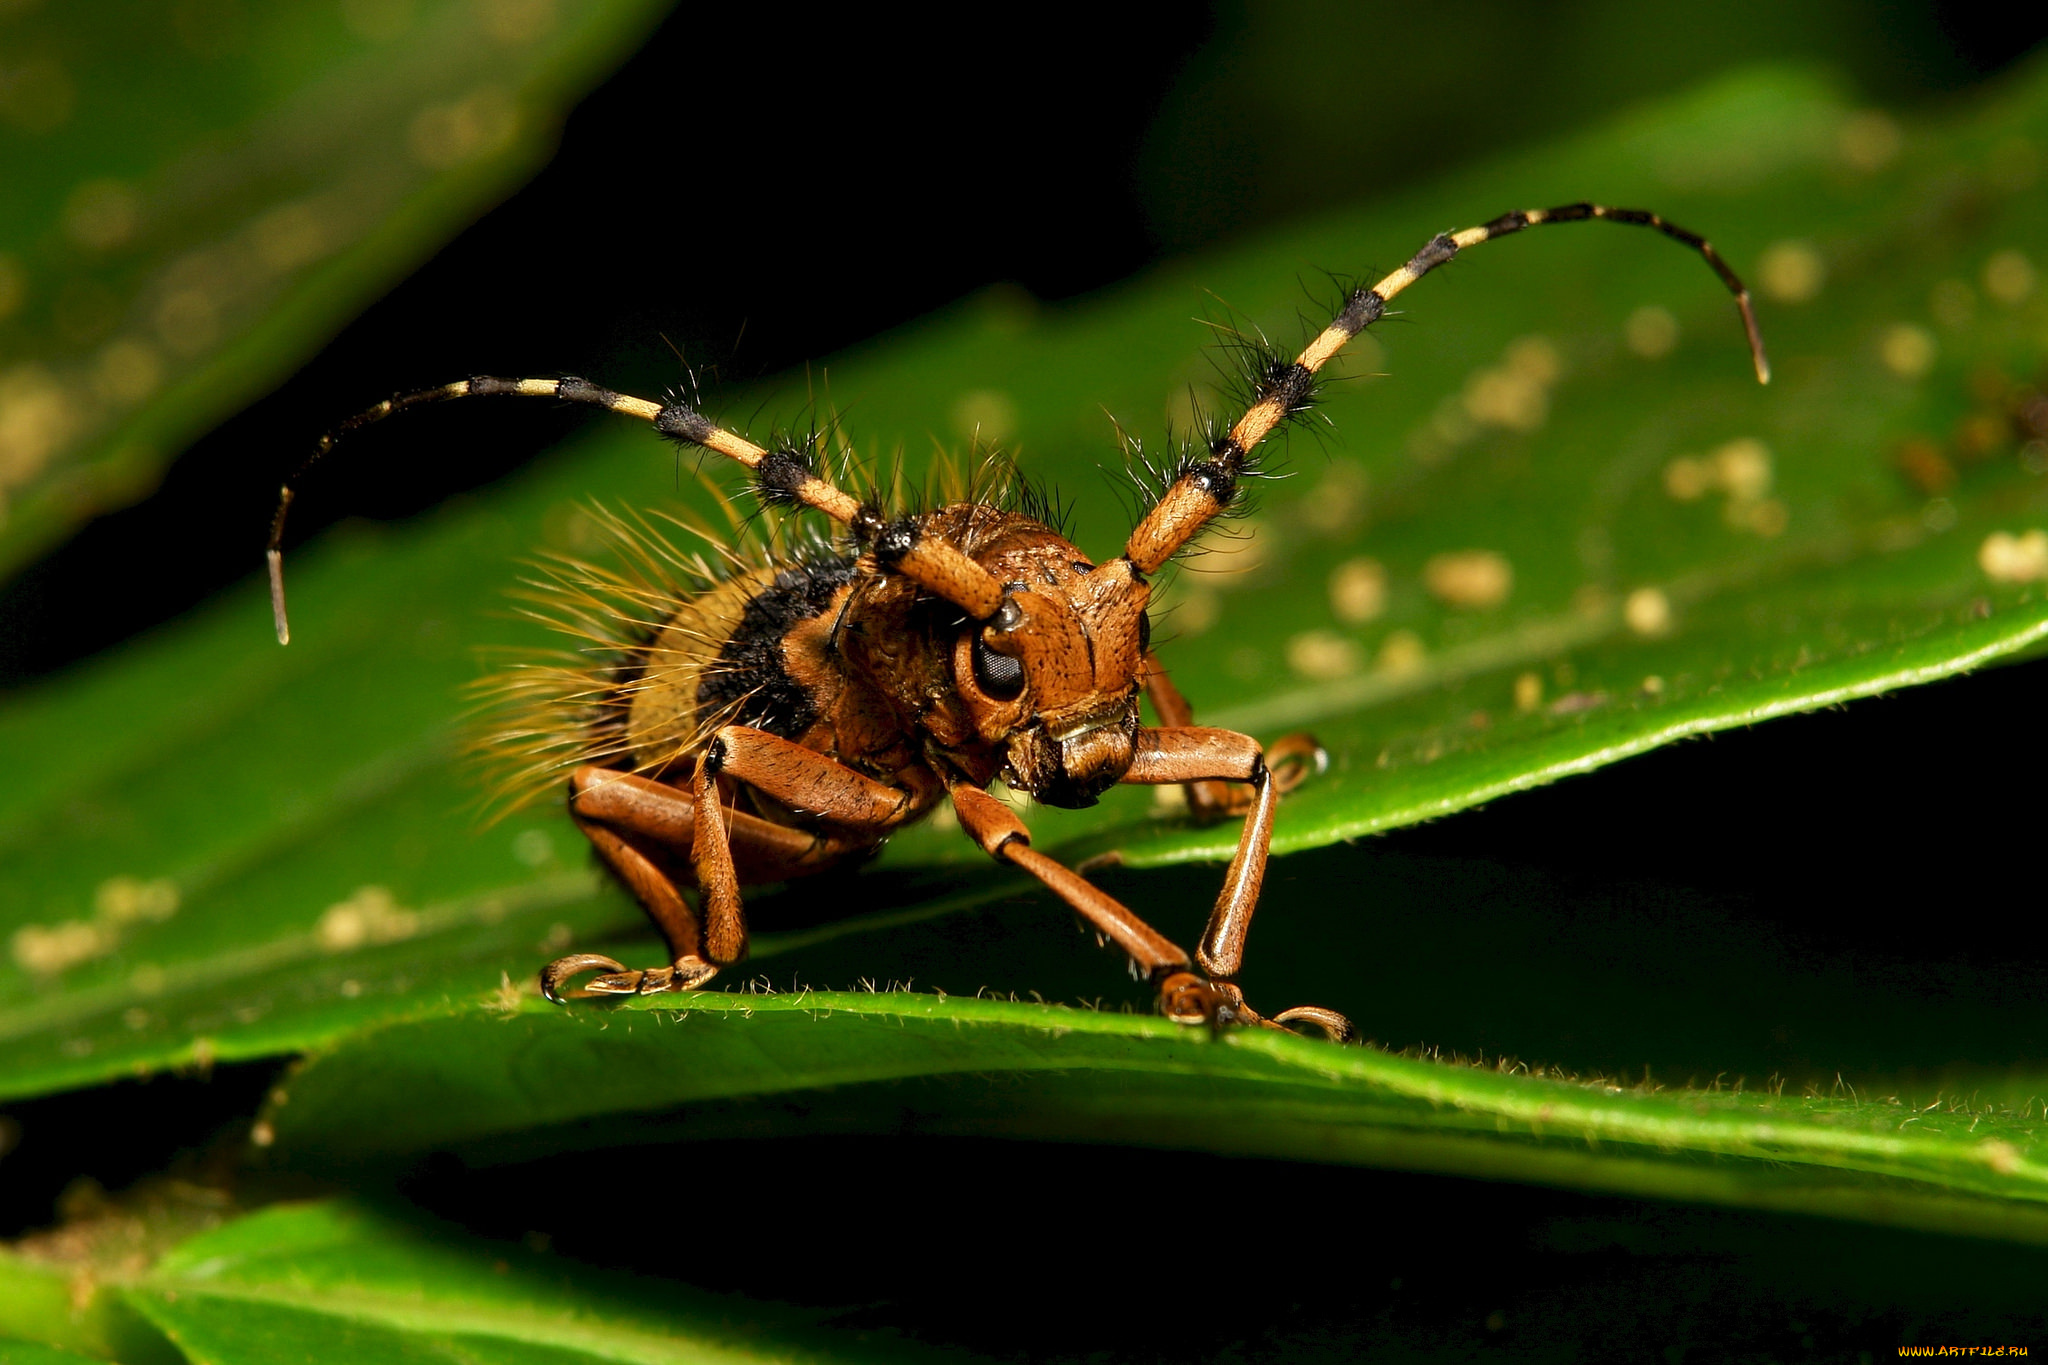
(36, 1353)
(332, 1281)
(532, 1079)
(199, 195)
(61, 1288)
(219, 849)
(36, 1309)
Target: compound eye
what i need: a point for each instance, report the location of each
(999, 675)
(1008, 617)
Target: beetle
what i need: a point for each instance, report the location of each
(779, 717)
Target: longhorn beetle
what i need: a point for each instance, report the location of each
(776, 717)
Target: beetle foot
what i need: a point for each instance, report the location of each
(686, 974)
(1187, 998)
(1292, 759)
(1295, 758)
(1335, 1026)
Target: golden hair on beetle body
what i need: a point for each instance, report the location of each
(543, 712)
(648, 608)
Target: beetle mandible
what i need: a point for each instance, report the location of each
(785, 716)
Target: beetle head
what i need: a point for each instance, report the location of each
(1053, 677)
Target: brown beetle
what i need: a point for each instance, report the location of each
(769, 720)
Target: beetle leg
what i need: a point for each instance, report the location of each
(808, 781)
(1189, 753)
(1292, 758)
(1003, 836)
(804, 779)
(659, 896)
(645, 832)
(718, 884)
(1184, 997)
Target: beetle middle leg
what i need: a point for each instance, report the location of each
(655, 839)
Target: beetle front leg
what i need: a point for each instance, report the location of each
(1003, 836)
(1292, 758)
(1192, 754)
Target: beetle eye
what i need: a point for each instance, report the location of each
(1008, 617)
(999, 675)
(1144, 631)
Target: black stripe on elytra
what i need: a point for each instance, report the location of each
(750, 668)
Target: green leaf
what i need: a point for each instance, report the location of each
(1052, 1072)
(228, 850)
(336, 1281)
(197, 197)
(37, 1309)
(36, 1353)
(60, 1290)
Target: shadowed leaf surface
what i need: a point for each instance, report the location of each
(334, 1281)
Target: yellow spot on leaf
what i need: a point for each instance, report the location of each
(2000, 1155)
(1688, 478)
(445, 135)
(2009, 277)
(1401, 653)
(1743, 468)
(369, 916)
(128, 370)
(290, 236)
(1358, 591)
(1647, 612)
(1651, 332)
(2008, 558)
(1502, 398)
(188, 321)
(1324, 654)
(102, 214)
(1907, 351)
(1472, 580)
(46, 950)
(1791, 272)
(130, 900)
(37, 417)
(1338, 499)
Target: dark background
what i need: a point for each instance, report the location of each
(800, 184)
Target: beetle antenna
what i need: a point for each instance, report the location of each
(1206, 487)
(782, 477)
